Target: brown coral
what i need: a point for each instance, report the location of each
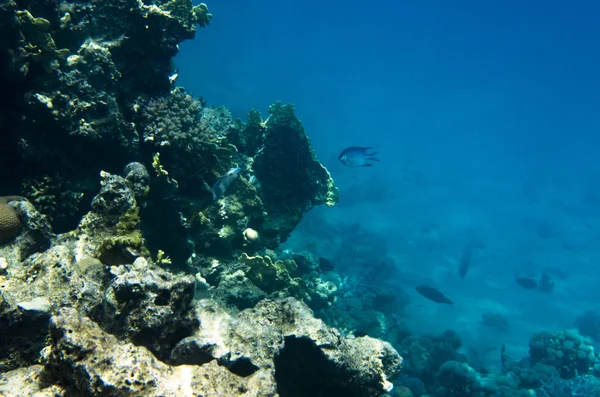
(9, 220)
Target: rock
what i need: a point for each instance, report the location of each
(40, 305)
(115, 198)
(234, 288)
(24, 329)
(281, 339)
(139, 179)
(149, 306)
(292, 180)
(27, 381)
(92, 362)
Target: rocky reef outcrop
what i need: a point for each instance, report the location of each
(93, 314)
(95, 89)
(122, 272)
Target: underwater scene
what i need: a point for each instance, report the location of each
(286, 199)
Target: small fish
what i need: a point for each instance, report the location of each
(465, 259)
(527, 282)
(222, 184)
(355, 156)
(433, 294)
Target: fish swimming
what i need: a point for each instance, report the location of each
(222, 184)
(433, 294)
(527, 282)
(465, 259)
(355, 156)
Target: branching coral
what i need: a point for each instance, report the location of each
(180, 121)
(40, 45)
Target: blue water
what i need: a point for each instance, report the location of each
(486, 116)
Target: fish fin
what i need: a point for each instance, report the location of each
(366, 165)
(214, 195)
(371, 156)
(191, 219)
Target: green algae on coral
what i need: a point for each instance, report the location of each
(121, 244)
(273, 276)
(161, 172)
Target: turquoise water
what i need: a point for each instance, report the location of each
(486, 119)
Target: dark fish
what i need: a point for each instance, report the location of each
(503, 360)
(222, 184)
(355, 156)
(527, 282)
(325, 264)
(432, 294)
(465, 259)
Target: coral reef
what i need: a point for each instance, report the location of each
(567, 351)
(80, 68)
(106, 328)
(153, 285)
(300, 350)
(292, 179)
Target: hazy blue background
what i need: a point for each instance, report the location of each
(487, 118)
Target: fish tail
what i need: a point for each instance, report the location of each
(371, 156)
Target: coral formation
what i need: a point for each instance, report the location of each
(9, 220)
(567, 351)
(292, 179)
(302, 351)
(119, 328)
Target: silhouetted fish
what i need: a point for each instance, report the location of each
(503, 360)
(355, 156)
(546, 283)
(325, 264)
(527, 282)
(432, 294)
(222, 184)
(465, 259)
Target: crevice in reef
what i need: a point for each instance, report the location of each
(302, 370)
(242, 367)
